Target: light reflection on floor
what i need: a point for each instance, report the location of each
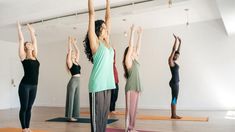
(230, 115)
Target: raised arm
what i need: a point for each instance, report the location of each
(179, 39)
(69, 56)
(170, 60)
(91, 27)
(77, 52)
(131, 48)
(108, 17)
(33, 39)
(138, 45)
(22, 53)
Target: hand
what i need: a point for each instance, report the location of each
(69, 39)
(30, 28)
(175, 36)
(139, 31)
(74, 40)
(132, 28)
(18, 25)
(179, 39)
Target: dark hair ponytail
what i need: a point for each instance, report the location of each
(124, 63)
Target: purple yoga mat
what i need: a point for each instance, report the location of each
(122, 130)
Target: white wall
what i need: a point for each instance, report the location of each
(10, 68)
(53, 77)
(206, 68)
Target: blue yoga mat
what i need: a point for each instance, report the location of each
(79, 120)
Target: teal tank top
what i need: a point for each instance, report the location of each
(101, 77)
(133, 81)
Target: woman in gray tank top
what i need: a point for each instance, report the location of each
(133, 85)
(174, 82)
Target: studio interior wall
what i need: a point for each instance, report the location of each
(206, 68)
(10, 75)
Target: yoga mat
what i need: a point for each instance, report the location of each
(122, 130)
(80, 120)
(117, 113)
(185, 118)
(18, 130)
(148, 117)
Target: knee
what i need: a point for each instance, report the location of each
(23, 107)
(29, 109)
(174, 101)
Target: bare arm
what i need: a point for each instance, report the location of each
(22, 53)
(108, 17)
(77, 52)
(179, 39)
(69, 57)
(91, 27)
(131, 48)
(139, 32)
(170, 60)
(33, 39)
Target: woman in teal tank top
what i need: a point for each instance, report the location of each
(100, 53)
(133, 85)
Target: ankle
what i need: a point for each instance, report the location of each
(25, 130)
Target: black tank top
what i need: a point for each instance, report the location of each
(175, 73)
(75, 69)
(31, 71)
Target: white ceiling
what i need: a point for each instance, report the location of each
(30, 10)
(227, 11)
(153, 14)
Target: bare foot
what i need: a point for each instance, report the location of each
(25, 130)
(72, 119)
(175, 117)
(29, 130)
(133, 130)
(114, 112)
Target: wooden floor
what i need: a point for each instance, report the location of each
(217, 121)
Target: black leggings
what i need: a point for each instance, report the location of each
(27, 94)
(114, 96)
(174, 92)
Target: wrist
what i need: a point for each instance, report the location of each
(32, 32)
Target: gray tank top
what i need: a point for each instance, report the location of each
(175, 74)
(133, 79)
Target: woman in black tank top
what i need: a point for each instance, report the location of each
(28, 85)
(72, 97)
(174, 82)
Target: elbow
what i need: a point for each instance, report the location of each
(89, 33)
(91, 12)
(107, 16)
(169, 60)
(69, 50)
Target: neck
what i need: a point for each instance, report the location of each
(101, 39)
(74, 61)
(29, 54)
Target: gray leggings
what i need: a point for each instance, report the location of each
(72, 98)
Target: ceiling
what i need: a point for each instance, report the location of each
(152, 14)
(227, 11)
